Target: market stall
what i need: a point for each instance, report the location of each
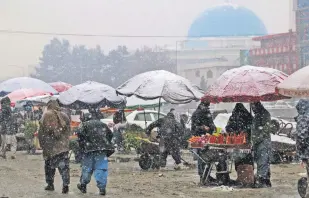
(245, 84)
(159, 85)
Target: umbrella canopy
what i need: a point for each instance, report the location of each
(161, 84)
(25, 93)
(36, 100)
(60, 86)
(246, 84)
(296, 85)
(14, 84)
(91, 94)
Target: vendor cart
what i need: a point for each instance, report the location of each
(149, 155)
(211, 154)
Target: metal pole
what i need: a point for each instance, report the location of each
(159, 108)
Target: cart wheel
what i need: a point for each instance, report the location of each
(302, 186)
(155, 162)
(145, 162)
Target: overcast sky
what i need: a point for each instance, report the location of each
(115, 17)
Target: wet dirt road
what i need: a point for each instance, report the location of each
(24, 177)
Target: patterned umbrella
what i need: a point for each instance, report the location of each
(246, 84)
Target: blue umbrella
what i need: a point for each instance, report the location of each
(14, 84)
(91, 95)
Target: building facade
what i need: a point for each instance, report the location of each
(215, 40)
(302, 29)
(277, 51)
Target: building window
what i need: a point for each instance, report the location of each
(209, 74)
(197, 73)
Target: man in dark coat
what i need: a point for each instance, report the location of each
(202, 123)
(95, 142)
(170, 133)
(261, 144)
(241, 121)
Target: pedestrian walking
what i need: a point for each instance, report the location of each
(54, 132)
(261, 144)
(7, 136)
(95, 142)
(170, 133)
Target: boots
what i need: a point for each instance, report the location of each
(103, 192)
(65, 189)
(50, 187)
(262, 183)
(82, 188)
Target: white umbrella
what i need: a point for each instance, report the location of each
(14, 84)
(296, 85)
(91, 94)
(161, 84)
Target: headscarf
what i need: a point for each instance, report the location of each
(302, 107)
(53, 106)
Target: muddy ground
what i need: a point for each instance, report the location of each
(24, 177)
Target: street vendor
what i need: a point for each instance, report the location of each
(241, 121)
(261, 144)
(170, 133)
(201, 124)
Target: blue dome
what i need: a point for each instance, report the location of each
(227, 20)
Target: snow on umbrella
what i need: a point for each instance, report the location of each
(60, 86)
(91, 94)
(25, 93)
(161, 84)
(296, 85)
(246, 84)
(14, 84)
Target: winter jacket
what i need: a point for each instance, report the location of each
(6, 116)
(240, 121)
(202, 117)
(302, 128)
(94, 136)
(260, 129)
(168, 126)
(54, 131)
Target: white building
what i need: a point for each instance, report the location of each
(216, 40)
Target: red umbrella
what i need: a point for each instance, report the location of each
(60, 86)
(246, 84)
(25, 93)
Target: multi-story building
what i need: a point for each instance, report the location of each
(277, 51)
(302, 30)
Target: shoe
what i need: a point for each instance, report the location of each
(13, 157)
(65, 189)
(102, 192)
(268, 183)
(261, 183)
(50, 187)
(82, 188)
(177, 167)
